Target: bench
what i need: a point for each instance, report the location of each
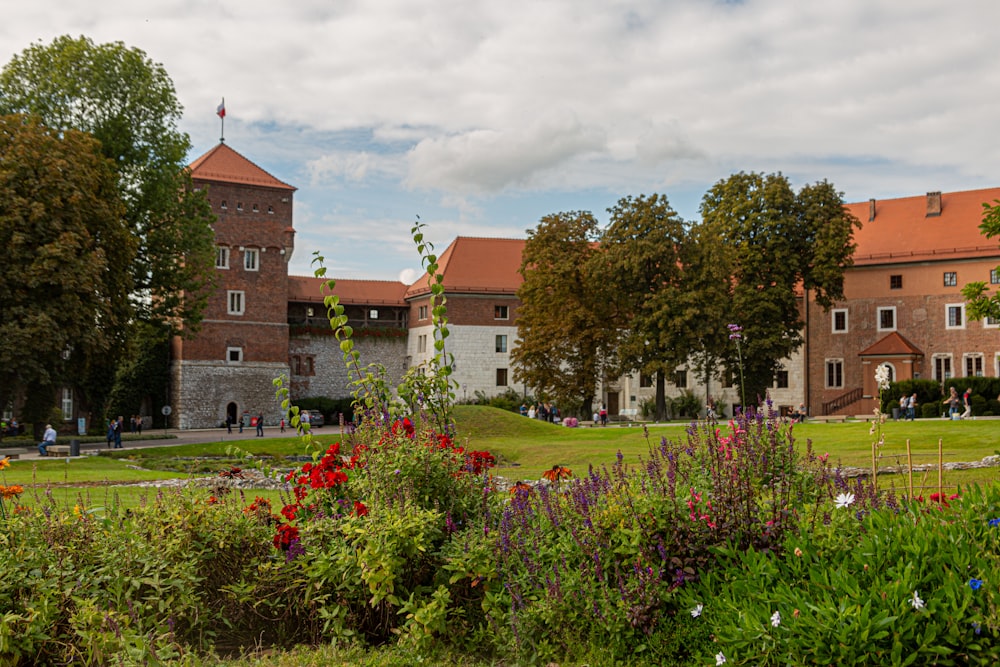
(628, 414)
(12, 453)
(54, 450)
(835, 419)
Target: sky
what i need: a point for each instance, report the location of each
(483, 117)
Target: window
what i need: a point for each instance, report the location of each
(422, 343)
(270, 210)
(727, 378)
(994, 277)
(239, 206)
(296, 365)
(895, 282)
(256, 209)
(221, 257)
(422, 313)
(501, 313)
(310, 366)
(250, 259)
(955, 316)
(501, 377)
(373, 313)
(645, 380)
(680, 378)
(950, 278)
(834, 373)
(991, 323)
(839, 320)
(235, 302)
(942, 367)
(67, 403)
(224, 206)
(234, 354)
(781, 380)
(974, 365)
(891, 370)
(887, 319)
(309, 311)
(501, 343)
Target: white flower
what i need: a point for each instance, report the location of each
(916, 602)
(844, 500)
(720, 659)
(696, 612)
(882, 377)
(776, 619)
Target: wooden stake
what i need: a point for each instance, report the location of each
(909, 468)
(940, 470)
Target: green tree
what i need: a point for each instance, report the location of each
(773, 244)
(128, 103)
(64, 279)
(981, 304)
(639, 272)
(561, 322)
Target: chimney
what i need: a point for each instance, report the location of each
(871, 210)
(933, 204)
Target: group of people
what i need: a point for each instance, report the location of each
(545, 411)
(115, 428)
(908, 407)
(956, 404)
(245, 419)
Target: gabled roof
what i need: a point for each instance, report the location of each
(903, 232)
(892, 344)
(224, 165)
(472, 265)
(351, 292)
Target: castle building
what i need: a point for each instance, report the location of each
(902, 307)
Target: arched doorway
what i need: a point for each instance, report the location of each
(231, 413)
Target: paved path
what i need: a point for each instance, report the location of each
(180, 438)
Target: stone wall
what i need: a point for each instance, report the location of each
(202, 390)
(329, 373)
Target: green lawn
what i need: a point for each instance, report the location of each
(525, 448)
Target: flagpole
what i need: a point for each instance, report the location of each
(221, 112)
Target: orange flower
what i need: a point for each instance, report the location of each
(4, 462)
(9, 492)
(557, 473)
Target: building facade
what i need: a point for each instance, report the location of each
(902, 307)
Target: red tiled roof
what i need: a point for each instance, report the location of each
(477, 265)
(351, 292)
(892, 344)
(224, 165)
(903, 232)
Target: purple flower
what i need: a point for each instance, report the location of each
(994, 523)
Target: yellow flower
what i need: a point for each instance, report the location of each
(76, 511)
(4, 462)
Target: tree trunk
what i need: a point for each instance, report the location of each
(661, 397)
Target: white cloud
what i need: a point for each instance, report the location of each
(470, 113)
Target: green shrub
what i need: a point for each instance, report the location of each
(904, 586)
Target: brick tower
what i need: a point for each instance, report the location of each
(228, 367)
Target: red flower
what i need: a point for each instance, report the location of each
(359, 508)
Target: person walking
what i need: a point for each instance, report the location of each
(112, 424)
(229, 424)
(119, 425)
(260, 424)
(954, 403)
(967, 402)
(48, 439)
(282, 424)
(911, 407)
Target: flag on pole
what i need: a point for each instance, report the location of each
(221, 111)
